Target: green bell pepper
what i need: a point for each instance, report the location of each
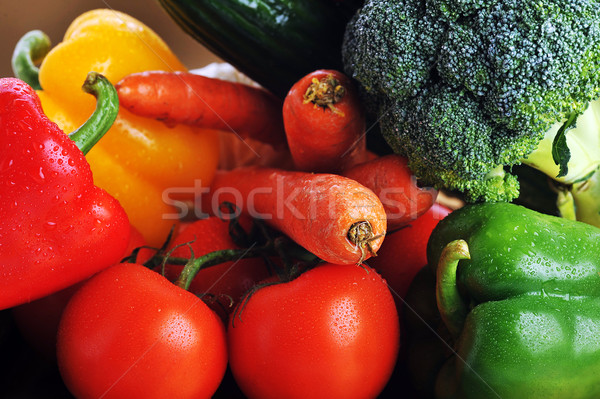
(519, 293)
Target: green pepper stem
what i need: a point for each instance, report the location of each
(107, 108)
(450, 304)
(29, 52)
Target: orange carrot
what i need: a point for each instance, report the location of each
(394, 183)
(335, 218)
(324, 122)
(186, 98)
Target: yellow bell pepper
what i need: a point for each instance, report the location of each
(141, 162)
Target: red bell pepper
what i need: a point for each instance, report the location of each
(56, 226)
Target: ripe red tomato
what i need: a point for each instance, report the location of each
(404, 251)
(130, 333)
(333, 332)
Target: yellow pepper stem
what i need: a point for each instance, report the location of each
(29, 52)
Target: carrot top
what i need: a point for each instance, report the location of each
(325, 93)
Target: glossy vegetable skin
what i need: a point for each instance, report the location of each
(129, 332)
(332, 332)
(274, 42)
(142, 162)
(396, 186)
(334, 217)
(325, 122)
(38, 320)
(210, 103)
(530, 247)
(56, 226)
(567, 367)
(518, 292)
(223, 284)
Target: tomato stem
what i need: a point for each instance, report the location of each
(274, 247)
(212, 259)
(264, 244)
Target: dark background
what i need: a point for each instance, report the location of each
(17, 17)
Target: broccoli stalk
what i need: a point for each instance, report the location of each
(467, 89)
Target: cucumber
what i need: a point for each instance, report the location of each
(274, 42)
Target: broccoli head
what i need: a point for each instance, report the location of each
(465, 89)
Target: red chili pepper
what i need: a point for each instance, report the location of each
(56, 227)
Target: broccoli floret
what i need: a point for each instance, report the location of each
(459, 144)
(466, 89)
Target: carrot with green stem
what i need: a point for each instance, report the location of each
(334, 217)
(195, 100)
(324, 122)
(396, 186)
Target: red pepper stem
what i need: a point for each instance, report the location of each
(29, 52)
(107, 108)
(449, 301)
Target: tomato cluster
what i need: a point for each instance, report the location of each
(327, 331)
